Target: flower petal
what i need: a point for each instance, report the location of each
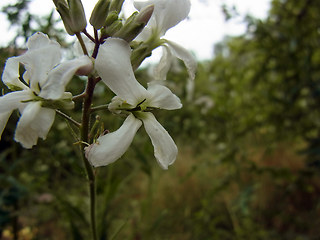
(162, 97)
(166, 14)
(185, 56)
(114, 67)
(40, 40)
(165, 150)
(14, 100)
(10, 76)
(43, 55)
(10, 102)
(34, 122)
(3, 121)
(163, 67)
(112, 146)
(60, 76)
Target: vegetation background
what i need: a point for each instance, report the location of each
(248, 137)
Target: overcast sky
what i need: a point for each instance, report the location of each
(204, 27)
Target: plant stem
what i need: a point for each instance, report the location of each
(98, 108)
(84, 138)
(80, 96)
(88, 35)
(83, 46)
(97, 44)
(78, 125)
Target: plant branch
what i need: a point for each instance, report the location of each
(85, 139)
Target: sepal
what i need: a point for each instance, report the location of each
(64, 103)
(116, 5)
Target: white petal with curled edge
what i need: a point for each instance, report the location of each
(112, 146)
(163, 67)
(10, 76)
(3, 121)
(114, 67)
(165, 150)
(170, 13)
(166, 13)
(60, 76)
(42, 56)
(139, 5)
(14, 100)
(34, 122)
(185, 56)
(162, 97)
(40, 40)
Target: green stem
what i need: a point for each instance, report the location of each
(98, 108)
(83, 46)
(78, 125)
(80, 96)
(85, 139)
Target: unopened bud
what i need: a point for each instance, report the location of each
(135, 24)
(116, 5)
(111, 18)
(99, 14)
(112, 29)
(145, 14)
(77, 15)
(72, 15)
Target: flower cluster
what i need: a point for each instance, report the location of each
(39, 90)
(111, 56)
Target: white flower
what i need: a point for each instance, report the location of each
(167, 14)
(114, 67)
(44, 81)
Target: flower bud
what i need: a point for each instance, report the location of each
(99, 14)
(72, 15)
(145, 14)
(112, 29)
(111, 18)
(135, 24)
(116, 5)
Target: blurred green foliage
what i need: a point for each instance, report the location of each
(248, 165)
